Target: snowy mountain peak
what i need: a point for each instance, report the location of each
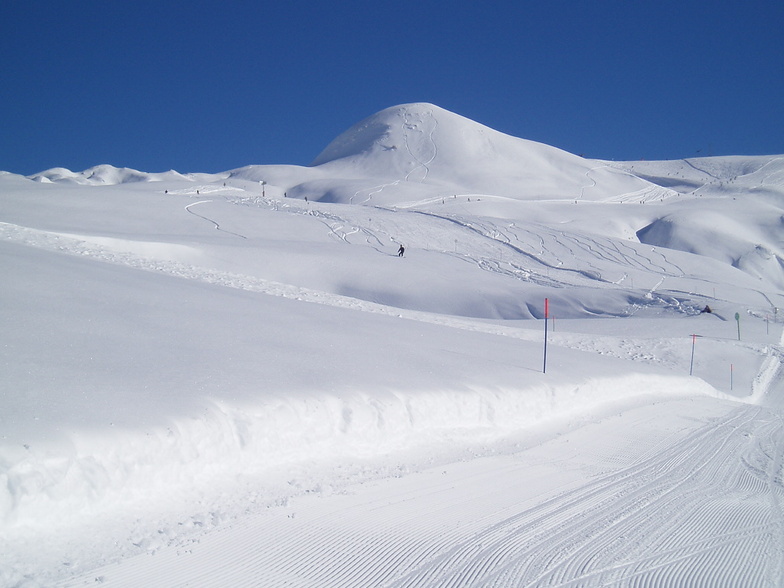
(421, 143)
(421, 133)
(388, 130)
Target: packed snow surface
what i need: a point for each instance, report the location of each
(234, 378)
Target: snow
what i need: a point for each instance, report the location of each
(233, 379)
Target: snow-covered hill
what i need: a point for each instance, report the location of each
(425, 144)
(194, 364)
(104, 175)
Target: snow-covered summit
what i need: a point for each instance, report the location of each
(421, 133)
(421, 143)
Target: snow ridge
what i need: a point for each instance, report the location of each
(104, 175)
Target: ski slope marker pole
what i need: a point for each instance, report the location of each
(546, 317)
(691, 364)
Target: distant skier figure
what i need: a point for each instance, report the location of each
(401, 251)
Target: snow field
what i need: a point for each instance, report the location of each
(214, 379)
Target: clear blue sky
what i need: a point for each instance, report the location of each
(214, 85)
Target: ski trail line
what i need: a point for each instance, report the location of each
(68, 245)
(410, 126)
(209, 220)
(660, 521)
(681, 511)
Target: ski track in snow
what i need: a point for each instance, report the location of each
(775, 177)
(701, 509)
(650, 193)
(590, 179)
(622, 348)
(371, 192)
(427, 147)
(520, 241)
(645, 195)
(209, 220)
(550, 250)
(72, 245)
(553, 253)
(668, 501)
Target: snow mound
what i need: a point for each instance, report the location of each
(97, 471)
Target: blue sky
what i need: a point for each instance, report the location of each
(207, 86)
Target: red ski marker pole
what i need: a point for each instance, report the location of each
(546, 317)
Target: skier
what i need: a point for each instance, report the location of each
(401, 251)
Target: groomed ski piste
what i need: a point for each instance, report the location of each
(233, 380)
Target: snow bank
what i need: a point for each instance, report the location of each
(97, 471)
